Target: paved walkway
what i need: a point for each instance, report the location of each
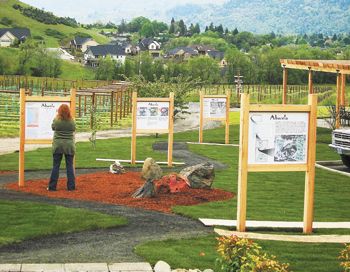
(287, 238)
(75, 267)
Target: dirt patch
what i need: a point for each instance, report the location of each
(117, 189)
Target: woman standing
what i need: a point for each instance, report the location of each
(63, 144)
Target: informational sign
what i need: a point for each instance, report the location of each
(278, 138)
(152, 115)
(39, 117)
(214, 107)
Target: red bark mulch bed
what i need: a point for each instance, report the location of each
(118, 189)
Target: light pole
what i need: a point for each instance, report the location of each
(239, 85)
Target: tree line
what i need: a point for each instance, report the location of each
(258, 66)
(45, 17)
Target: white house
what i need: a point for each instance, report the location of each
(9, 35)
(150, 45)
(93, 53)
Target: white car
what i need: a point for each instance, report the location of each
(341, 144)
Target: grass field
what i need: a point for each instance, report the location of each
(75, 71)
(38, 29)
(25, 220)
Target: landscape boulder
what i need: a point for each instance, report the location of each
(199, 176)
(162, 266)
(150, 171)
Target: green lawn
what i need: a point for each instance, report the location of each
(74, 71)
(24, 220)
(201, 253)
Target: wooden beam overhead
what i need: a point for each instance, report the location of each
(328, 66)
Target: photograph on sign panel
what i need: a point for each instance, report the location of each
(142, 111)
(217, 108)
(290, 148)
(32, 115)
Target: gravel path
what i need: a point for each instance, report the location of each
(111, 245)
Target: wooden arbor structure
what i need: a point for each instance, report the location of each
(339, 67)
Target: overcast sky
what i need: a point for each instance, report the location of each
(87, 11)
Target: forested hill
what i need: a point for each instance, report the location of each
(265, 16)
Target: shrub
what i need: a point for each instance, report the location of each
(6, 21)
(54, 33)
(37, 37)
(243, 255)
(345, 258)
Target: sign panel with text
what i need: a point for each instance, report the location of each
(278, 137)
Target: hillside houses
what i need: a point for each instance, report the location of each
(150, 45)
(184, 53)
(181, 53)
(82, 43)
(8, 36)
(93, 53)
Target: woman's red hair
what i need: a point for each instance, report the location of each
(64, 112)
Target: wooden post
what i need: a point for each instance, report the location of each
(227, 121)
(125, 102)
(311, 87)
(21, 138)
(337, 106)
(201, 117)
(112, 109)
(133, 138)
(93, 109)
(171, 130)
(285, 88)
(310, 173)
(243, 164)
(121, 104)
(73, 93)
(79, 106)
(343, 91)
(116, 106)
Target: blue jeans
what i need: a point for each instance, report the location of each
(57, 158)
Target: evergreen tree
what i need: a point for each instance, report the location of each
(182, 28)
(122, 28)
(235, 31)
(197, 29)
(206, 29)
(220, 29)
(172, 26)
(211, 27)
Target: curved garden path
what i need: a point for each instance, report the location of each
(109, 245)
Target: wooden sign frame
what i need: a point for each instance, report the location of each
(308, 167)
(170, 129)
(202, 119)
(23, 141)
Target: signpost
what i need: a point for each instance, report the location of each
(215, 108)
(277, 138)
(36, 116)
(152, 115)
